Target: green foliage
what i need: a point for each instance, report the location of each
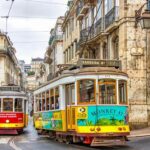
(103, 122)
(88, 123)
(31, 73)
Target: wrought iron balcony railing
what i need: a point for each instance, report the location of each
(111, 16)
(79, 7)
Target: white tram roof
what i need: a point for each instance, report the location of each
(86, 71)
(12, 94)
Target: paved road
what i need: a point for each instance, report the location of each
(31, 141)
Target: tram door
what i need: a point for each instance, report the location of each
(70, 106)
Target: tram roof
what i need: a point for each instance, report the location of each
(87, 71)
(12, 93)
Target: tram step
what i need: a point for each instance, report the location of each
(107, 142)
(5, 131)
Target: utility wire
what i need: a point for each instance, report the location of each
(26, 17)
(91, 26)
(12, 2)
(44, 2)
(25, 42)
(26, 31)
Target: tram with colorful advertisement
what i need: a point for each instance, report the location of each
(87, 105)
(13, 110)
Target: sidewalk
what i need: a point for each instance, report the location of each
(140, 133)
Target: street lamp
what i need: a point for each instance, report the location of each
(143, 18)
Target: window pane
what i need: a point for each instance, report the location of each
(86, 91)
(7, 104)
(52, 99)
(0, 104)
(18, 105)
(47, 101)
(43, 101)
(57, 98)
(107, 91)
(122, 92)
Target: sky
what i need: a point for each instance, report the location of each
(30, 23)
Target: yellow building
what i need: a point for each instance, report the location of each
(10, 73)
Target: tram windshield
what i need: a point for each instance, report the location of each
(107, 91)
(7, 104)
(18, 105)
(122, 92)
(0, 104)
(86, 91)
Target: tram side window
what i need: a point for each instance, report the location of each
(57, 98)
(122, 92)
(0, 105)
(107, 91)
(7, 104)
(47, 100)
(70, 94)
(52, 99)
(43, 101)
(40, 103)
(86, 90)
(37, 103)
(18, 105)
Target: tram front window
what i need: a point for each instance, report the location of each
(7, 104)
(0, 104)
(86, 91)
(122, 92)
(18, 105)
(107, 91)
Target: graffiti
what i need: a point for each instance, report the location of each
(104, 116)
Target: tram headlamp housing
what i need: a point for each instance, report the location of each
(7, 121)
(82, 110)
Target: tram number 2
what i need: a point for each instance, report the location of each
(82, 116)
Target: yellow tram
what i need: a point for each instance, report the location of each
(13, 110)
(87, 105)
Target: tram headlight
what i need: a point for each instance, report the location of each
(7, 121)
(82, 110)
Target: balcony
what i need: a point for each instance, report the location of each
(55, 38)
(84, 35)
(111, 16)
(82, 9)
(98, 63)
(58, 37)
(99, 26)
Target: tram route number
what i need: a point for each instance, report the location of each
(82, 115)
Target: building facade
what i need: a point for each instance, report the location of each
(54, 53)
(10, 72)
(105, 30)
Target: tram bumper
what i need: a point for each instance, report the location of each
(108, 141)
(8, 131)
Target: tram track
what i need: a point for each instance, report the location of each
(12, 144)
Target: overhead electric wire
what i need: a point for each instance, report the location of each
(44, 2)
(91, 26)
(26, 31)
(25, 42)
(12, 2)
(26, 17)
(6, 17)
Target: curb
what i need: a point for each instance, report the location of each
(138, 135)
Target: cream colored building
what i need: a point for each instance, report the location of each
(105, 30)
(54, 53)
(71, 35)
(10, 73)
